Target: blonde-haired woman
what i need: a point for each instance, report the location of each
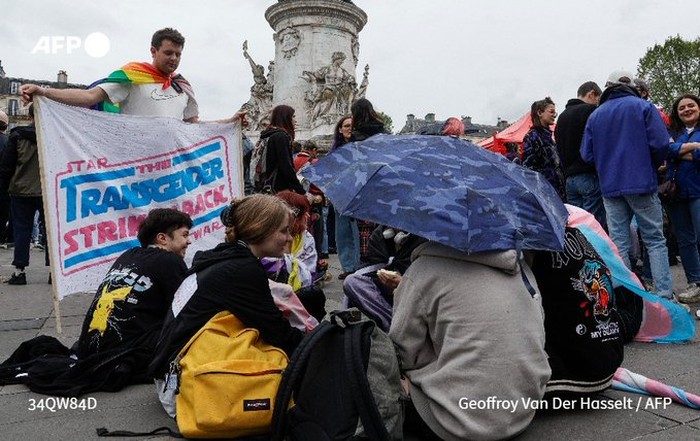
(231, 278)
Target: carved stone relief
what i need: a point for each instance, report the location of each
(289, 39)
(331, 90)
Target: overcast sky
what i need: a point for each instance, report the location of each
(478, 58)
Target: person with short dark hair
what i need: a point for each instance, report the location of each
(139, 88)
(581, 180)
(122, 325)
(134, 297)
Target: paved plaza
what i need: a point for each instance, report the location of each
(27, 311)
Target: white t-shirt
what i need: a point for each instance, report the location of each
(151, 99)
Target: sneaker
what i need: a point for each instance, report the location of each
(18, 279)
(674, 300)
(690, 295)
(345, 274)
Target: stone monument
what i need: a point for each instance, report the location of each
(316, 55)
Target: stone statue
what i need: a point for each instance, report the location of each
(331, 91)
(355, 50)
(270, 77)
(362, 90)
(260, 102)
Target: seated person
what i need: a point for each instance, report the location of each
(371, 290)
(123, 323)
(231, 278)
(584, 331)
(133, 299)
(466, 329)
(298, 266)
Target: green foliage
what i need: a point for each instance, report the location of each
(671, 69)
(388, 122)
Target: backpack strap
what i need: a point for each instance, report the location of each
(159, 431)
(291, 376)
(361, 392)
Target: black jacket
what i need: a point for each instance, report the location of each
(19, 165)
(228, 278)
(279, 157)
(131, 302)
(569, 134)
(366, 130)
(583, 329)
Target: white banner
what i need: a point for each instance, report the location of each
(103, 172)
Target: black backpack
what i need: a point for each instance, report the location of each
(261, 178)
(344, 378)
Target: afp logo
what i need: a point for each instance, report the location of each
(95, 45)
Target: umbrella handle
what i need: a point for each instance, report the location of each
(519, 252)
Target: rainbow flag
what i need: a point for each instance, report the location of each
(141, 73)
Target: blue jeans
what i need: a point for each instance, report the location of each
(647, 209)
(23, 210)
(324, 243)
(583, 191)
(347, 241)
(685, 220)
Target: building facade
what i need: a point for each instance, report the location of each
(11, 100)
(430, 126)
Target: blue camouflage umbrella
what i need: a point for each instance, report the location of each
(443, 189)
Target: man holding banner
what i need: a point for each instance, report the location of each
(139, 88)
(100, 183)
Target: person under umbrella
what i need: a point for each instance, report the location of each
(478, 210)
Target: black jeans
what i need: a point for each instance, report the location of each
(23, 209)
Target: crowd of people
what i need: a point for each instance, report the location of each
(464, 325)
(608, 153)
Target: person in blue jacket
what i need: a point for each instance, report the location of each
(684, 166)
(626, 140)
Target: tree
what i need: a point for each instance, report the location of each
(388, 122)
(671, 69)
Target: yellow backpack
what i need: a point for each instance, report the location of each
(228, 381)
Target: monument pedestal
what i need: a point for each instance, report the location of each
(316, 55)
